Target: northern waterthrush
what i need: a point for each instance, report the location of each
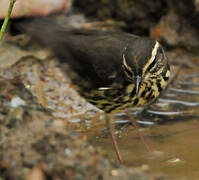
(113, 70)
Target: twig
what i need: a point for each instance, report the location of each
(5, 23)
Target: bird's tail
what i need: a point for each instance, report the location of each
(45, 31)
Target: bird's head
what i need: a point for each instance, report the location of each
(143, 60)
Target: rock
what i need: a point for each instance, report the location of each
(176, 31)
(34, 7)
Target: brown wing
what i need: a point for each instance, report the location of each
(94, 55)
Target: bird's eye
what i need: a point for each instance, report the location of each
(128, 73)
(154, 63)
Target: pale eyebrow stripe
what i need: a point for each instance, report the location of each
(125, 63)
(153, 54)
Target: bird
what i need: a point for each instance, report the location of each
(113, 70)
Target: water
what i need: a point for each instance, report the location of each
(170, 127)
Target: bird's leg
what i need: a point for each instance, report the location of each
(113, 139)
(139, 133)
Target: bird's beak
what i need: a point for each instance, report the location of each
(138, 83)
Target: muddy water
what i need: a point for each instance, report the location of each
(175, 149)
(170, 127)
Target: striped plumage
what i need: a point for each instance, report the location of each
(141, 83)
(113, 70)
